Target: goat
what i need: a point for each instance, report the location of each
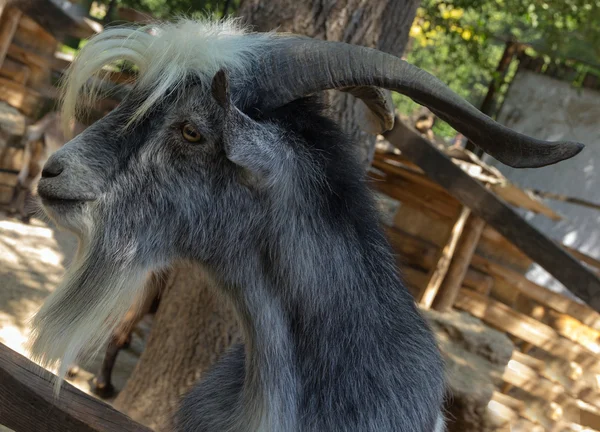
(222, 154)
(120, 339)
(40, 140)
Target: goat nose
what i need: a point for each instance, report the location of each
(52, 168)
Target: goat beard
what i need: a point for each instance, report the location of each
(78, 318)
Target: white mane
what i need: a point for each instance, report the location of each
(165, 53)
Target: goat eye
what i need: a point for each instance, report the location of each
(190, 133)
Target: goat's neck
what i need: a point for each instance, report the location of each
(312, 286)
(270, 362)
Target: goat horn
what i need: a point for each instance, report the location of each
(296, 66)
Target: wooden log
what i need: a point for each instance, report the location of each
(32, 36)
(25, 100)
(555, 370)
(546, 252)
(497, 248)
(415, 279)
(392, 168)
(515, 404)
(575, 330)
(438, 273)
(39, 65)
(430, 200)
(17, 72)
(420, 254)
(51, 16)
(540, 294)
(522, 376)
(584, 258)
(8, 25)
(412, 250)
(459, 264)
(525, 328)
(27, 402)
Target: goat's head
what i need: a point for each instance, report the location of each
(189, 153)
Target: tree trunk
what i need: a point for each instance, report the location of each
(381, 24)
(192, 326)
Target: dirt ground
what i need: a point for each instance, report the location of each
(32, 261)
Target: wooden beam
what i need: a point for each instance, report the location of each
(24, 99)
(584, 258)
(538, 293)
(432, 201)
(438, 273)
(18, 72)
(546, 252)
(523, 327)
(416, 252)
(459, 264)
(522, 376)
(54, 17)
(8, 25)
(27, 402)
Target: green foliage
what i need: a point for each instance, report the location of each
(171, 8)
(461, 41)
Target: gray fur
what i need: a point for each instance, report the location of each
(273, 205)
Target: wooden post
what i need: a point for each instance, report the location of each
(28, 403)
(460, 264)
(581, 281)
(438, 273)
(8, 25)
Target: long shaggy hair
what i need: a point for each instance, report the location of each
(77, 319)
(164, 54)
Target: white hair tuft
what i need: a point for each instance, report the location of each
(165, 53)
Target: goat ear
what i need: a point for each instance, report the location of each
(247, 143)
(220, 89)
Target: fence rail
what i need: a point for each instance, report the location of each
(27, 402)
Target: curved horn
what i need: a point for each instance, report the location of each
(296, 66)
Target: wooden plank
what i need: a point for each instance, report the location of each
(421, 196)
(459, 264)
(574, 330)
(18, 72)
(495, 212)
(520, 198)
(498, 248)
(411, 249)
(393, 164)
(515, 404)
(394, 168)
(51, 16)
(25, 100)
(416, 252)
(33, 36)
(27, 402)
(440, 270)
(540, 294)
(525, 378)
(584, 257)
(28, 57)
(8, 25)
(525, 328)
(555, 370)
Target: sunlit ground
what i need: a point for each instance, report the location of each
(32, 261)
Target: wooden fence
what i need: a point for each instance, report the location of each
(27, 402)
(451, 257)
